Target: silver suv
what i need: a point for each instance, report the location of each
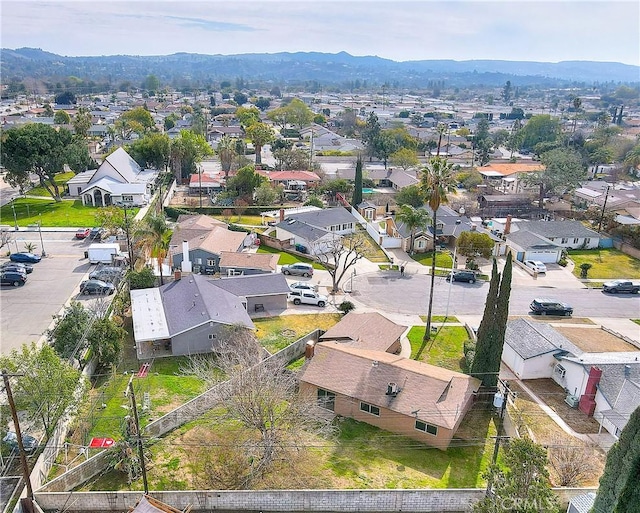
(298, 269)
(307, 297)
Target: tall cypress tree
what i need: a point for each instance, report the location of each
(618, 476)
(500, 325)
(357, 191)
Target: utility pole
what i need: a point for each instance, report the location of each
(138, 437)
(16, 424)
(44, 253)
(496, 447)
(127, 230)
(604, 207)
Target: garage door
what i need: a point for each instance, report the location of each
(548, 257)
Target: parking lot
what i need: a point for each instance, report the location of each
(27, 311)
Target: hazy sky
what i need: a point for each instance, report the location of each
(539, 30)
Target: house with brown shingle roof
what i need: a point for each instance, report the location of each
(410, 398)
(507, 176)
(233, 263)
(367, 331)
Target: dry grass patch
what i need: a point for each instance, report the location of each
(276, 333)
(595, 340)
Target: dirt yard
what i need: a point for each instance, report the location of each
(595, 340)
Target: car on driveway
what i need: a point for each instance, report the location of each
(96, 233)
(546, 306)
(96, 287)
(298, 269)
(621, 287)
(25, 258)
(107, 274)
(14, 278)
(303, 285)
(17, 266)
(83, 233)
(468, 276)
(307, 297)
(536, 266)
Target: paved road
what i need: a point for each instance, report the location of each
(409, 295)
(26, 312)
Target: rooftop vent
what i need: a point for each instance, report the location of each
(392, 389)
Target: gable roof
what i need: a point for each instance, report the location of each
(506, 169)
(305, 176)
(555, 229)
(530, 339)
(325, 217)
(366, 330)
(213, 241)
(122, 163)
(194, 300)
(303, 230)
(254, 285)
(529, 240)
(262, 261)
(426, 392)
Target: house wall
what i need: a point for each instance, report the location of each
(196, 255)
(575, 378)
(388, 419)
(601, 405)
(512, 360)
(197, 340)
(576, 242)
(531, 368)
(245, 271)
(138, 199)
(273, 302)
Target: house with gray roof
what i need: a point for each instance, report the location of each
(260, 292)
(184, 317)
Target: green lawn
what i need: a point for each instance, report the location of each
(637, 321)
(607, 264)
(60, 179)
(443, 259)
(288, 258)
(276, 333)
(51, 213)
(242, 220)
(440, 318)
(445, 349)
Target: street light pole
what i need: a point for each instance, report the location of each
(604, 207)
(44, 253)
(15, 219)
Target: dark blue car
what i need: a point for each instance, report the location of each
(25, 258)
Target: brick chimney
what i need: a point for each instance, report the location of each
(186, 263)
(281, 214)
(588, 399)
(507, 225)
(177, 275)
(309, 349)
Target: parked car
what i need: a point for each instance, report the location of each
(468, 276)
(536, 265)
(621, 287)
(298, 269)
(96, 233)
(25, 258)
(28, 442)
(545, 306)
(303, 285)
(307, 297)
(96, 287)
(14, 278)
(83, 233)
(107, 274)
(17, 266)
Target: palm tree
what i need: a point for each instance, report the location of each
(259, 134)
(153, 237)
(413, 218)
(437, 181)
(227, 153)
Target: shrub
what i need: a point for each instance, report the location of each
(346, 306)
(563, 262)
(143, 279)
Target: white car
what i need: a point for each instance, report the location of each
(307, 297)
(536, 265)
(303, 285)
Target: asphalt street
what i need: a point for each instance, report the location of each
(409, 295)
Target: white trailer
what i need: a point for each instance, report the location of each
(103, 253)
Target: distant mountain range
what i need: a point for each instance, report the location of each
(301, 67)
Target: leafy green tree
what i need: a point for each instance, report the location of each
(153, 150)
(507, 91)
(260, 134)
(332, 187)
(82, 122)
(78, 158)
(247, 116)
(291, 158)
(437, 182)
(263, 103)
(38, 149)
(65, 98)
(69, 329)
(245, 182)
(61, 117)
(170, 121)
(153, 236)
(521, 484)
(414, 219)
(483, 142)
(265, 195)
(298, 114)
(48, 111)
(240, 98)
(356, 199)
(278, 117)
(473, 244)
(563, 172)
(370, 133)
(632, 158)
(619, 491)
(142, 279)
(46, 386)
(151, 84)
(187, 150)
(106, 340)
(314, 201)
(384, 146)
(410, 195)
(226, 153)
(138, 120)
(539, 129)
(404, 158)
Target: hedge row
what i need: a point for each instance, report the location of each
(173, 212)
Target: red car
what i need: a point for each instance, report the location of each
(83, 233)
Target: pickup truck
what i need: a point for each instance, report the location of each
(621, 287)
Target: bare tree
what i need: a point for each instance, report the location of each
(571, 464)
(5, 238)
(342, 254)
(263, 406)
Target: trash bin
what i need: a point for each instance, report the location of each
(86, 254)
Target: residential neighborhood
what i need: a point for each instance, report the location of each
(257, 294)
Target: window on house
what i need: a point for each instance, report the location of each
(211, 262)
(560, 371)
(427, 428)
(370, 408)
(198, 261)
(420, 244)
(333, 228)
(368, 214)
(326, 399)
(564, 240)
(587, 241)
(127, 199)
(576, 240)
(346, 226)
